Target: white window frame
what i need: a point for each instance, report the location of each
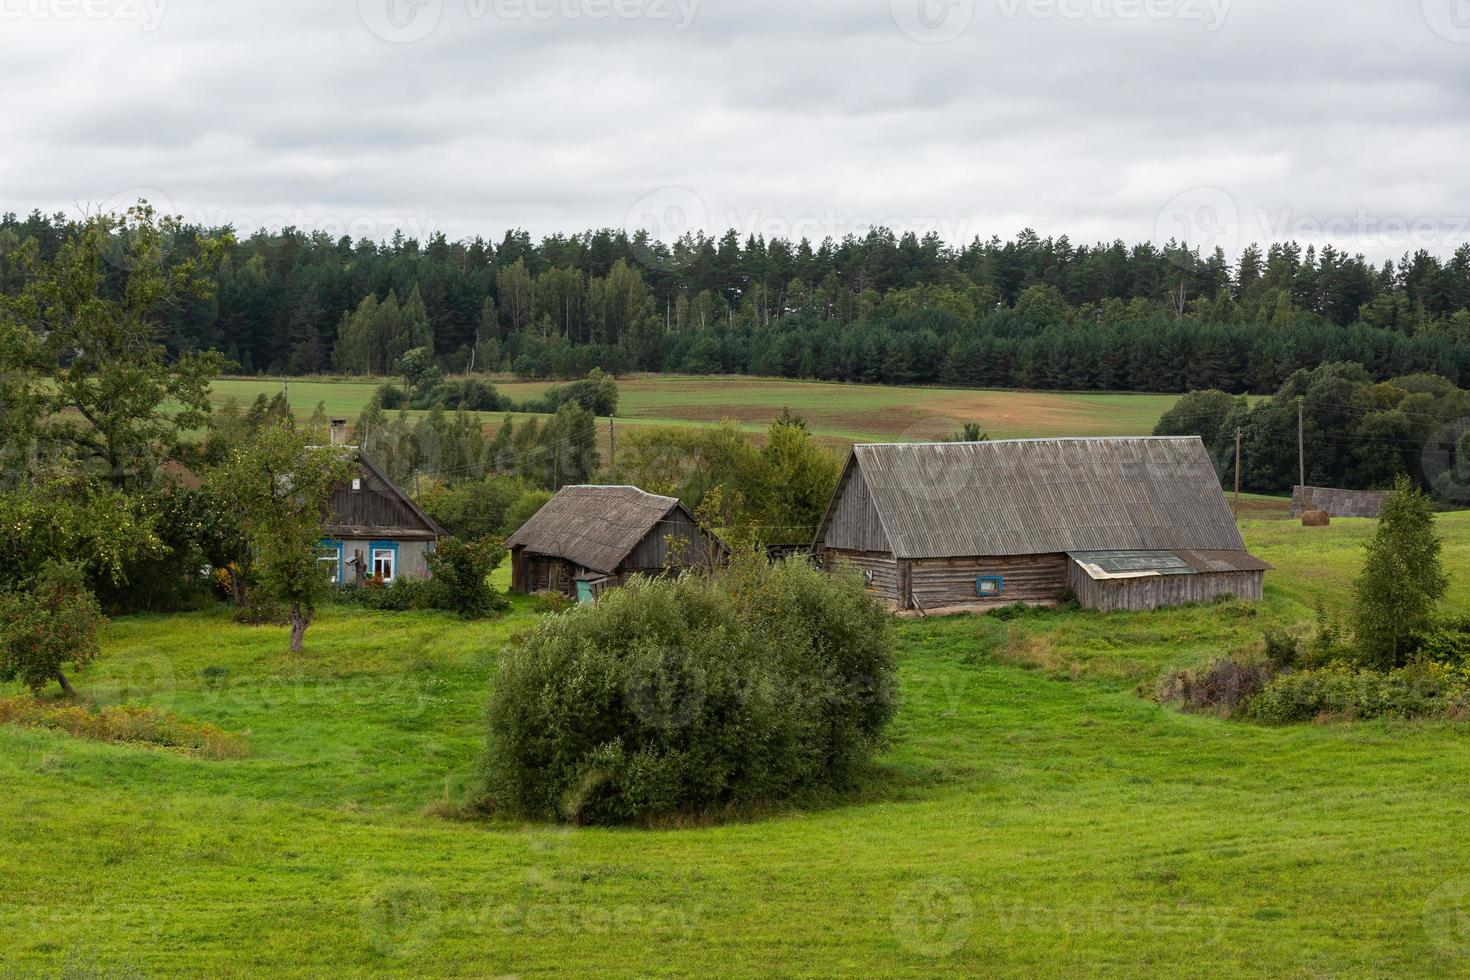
(391, 556)
(333, 555)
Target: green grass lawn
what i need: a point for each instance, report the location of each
(840, 412)
(1034, 815)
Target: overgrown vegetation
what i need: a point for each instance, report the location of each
(126, 723)
(682, 695)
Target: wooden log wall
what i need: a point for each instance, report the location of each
(885, 583)
(943, 582)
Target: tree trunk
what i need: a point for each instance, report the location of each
(66, 687)
(300, 620)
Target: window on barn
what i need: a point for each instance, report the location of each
(385, 564)
(988, 585)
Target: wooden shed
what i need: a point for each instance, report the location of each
(1126, 523)
(590, 538)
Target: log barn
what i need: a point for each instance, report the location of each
(1125, 523)
(590, 538)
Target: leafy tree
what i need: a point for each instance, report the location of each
(70, 516)
(87, 327)
(281, 488)
(1402, 579)
(44, 629)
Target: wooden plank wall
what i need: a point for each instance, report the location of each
(1160, 591)
(885, 569)
(855, 525)
(944, 582)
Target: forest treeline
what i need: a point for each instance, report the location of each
(1027, 312)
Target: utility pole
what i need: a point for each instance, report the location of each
(1237, 471)
(1301, 443)
(612, 435)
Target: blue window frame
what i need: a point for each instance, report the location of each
(331, 556)
(383, 560)
(989, 586)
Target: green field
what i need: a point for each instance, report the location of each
(841, 412)
(1034, 815)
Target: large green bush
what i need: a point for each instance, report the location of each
(687, 694)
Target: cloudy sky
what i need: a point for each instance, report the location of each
(1223, 121)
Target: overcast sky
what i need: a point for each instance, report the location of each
(1224, 121)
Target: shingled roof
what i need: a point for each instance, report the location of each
(596, 527)
(1043, 496)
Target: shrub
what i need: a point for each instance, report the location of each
(1282, 650)
(400, 595)
(1220, 687)
(1417, 691)
(680, 695)
(1447, 643)
(461, 574)
(390, 397)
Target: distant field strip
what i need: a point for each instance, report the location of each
(840, 412)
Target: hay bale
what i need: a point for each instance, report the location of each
(1316, 518)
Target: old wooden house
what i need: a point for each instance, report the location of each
(1125, 523)
(590, 538)
(376, 530)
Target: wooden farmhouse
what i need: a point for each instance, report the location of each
(374, 529)
(590, 538)
(1125, 523)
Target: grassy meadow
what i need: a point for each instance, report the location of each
(841, 413)
(1034, 814)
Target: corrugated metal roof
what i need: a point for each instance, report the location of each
(1042, 496)
(596, 527)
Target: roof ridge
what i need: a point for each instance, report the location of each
(1006, 442)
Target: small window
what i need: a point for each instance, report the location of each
(385, 564)
(987, 586)
(330, 559)
(356, 485)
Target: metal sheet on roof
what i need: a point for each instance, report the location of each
(1043, 496)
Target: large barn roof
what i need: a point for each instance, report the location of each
(596, 527)
(1042, 496)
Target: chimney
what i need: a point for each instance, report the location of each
(338, 429)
